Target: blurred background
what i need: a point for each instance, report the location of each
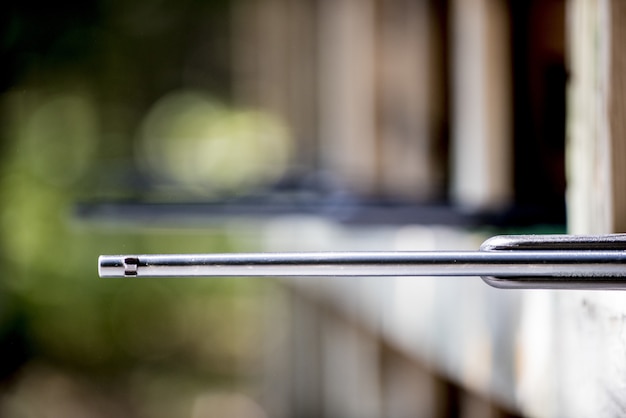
(184, 126)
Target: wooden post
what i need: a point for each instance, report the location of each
(596, 151)
(410, 102)
(481, 141)
(347, 92)
(275, 63)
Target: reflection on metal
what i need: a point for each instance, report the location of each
(522, 262)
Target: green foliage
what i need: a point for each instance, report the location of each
(77, 80)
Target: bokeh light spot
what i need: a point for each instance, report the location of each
(208, 148)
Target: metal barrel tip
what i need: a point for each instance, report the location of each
(111, 266)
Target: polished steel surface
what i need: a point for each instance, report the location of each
(471, 263)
